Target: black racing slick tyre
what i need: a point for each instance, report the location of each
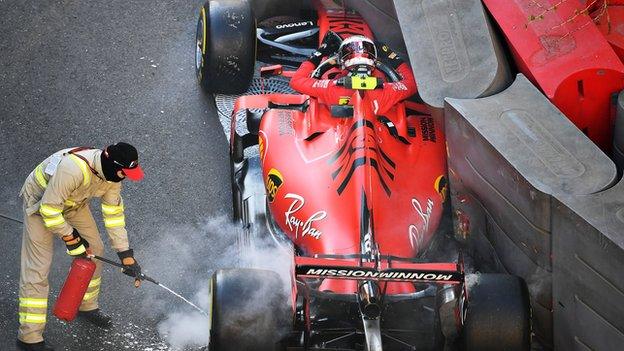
(225, 46)
(498, 315)
(250, 310)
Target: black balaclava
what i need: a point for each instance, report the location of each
(110, 169)
(121, 152)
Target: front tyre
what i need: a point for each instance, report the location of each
(225, 46)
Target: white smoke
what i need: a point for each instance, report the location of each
(539, 283)
(264, 254)
(184, 329)
(472, 280)
(185, 259)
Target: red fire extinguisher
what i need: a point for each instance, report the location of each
(73, 291)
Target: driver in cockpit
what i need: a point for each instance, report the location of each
(356, 56)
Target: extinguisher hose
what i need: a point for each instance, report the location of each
(111, 262)
(144, 277)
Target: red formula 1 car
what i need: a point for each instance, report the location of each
(355, 197)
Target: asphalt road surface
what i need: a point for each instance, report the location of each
(92, 73)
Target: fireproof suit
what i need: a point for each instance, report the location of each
(56, 197)
(329, 93)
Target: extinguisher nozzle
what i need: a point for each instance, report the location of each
(144, 277)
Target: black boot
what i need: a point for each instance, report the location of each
(40, 346)
(96, 317)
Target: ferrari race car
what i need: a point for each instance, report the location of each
(356, 198)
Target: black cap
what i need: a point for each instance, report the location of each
(126, 158)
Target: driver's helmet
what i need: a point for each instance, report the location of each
(357, 51)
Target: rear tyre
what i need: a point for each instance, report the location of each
(225, 46)
(498, 316)
(250, 310)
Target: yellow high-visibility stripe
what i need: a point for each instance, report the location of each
(112, 209)
(112, 222)
(37, 318)
(95, 282)
(33, 302)
(86, 173)
(77, 251)
(40, 177)
(49, 211)
(90, 295)
(53, 222)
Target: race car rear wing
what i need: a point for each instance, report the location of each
(383, 270)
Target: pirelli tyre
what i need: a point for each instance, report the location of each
(225, 46)
(249, 311)
(498, 314)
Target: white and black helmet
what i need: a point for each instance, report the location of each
(356, 51)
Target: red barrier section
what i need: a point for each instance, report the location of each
(610, 22)
(559, 48)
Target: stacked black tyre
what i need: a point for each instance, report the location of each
(498, 316)
(250, 310)
(225, 46)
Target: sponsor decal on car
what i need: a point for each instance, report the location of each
(321, 83)
(294, 24)
(262, 144)
(344, 100)
(398, 86)
(427, 129)
(368, 243)
(274, 181)
(343, 24)
(387, 274)
(285, 122)
(300, 226)
(441, 186)
(417, 232)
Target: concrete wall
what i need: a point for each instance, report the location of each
(508, 155)
(382, 19)
(452, 49)
(588, 270)
(618, 133)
